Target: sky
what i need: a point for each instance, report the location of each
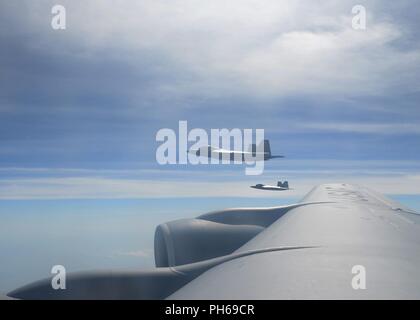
(80, 109)
(90, 99)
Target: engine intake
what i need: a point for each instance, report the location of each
(191, 240)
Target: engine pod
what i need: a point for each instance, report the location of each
(190, 240)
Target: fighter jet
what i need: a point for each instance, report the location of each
(260, 152)
(281, 186)
(340, 241)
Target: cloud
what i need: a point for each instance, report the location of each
(370, 128)
(238, 48)
(98, 91)
(112, 188)
(385, 177)
(146, 253)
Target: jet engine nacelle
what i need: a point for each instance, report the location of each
(191, 240)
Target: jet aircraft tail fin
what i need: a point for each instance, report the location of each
(264, 147)
(267, 149)
(283, 184)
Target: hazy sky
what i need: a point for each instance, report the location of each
(80, 108)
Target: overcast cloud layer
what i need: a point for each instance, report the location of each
(94, 95)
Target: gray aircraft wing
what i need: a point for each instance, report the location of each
(352, 227)
(340, 242)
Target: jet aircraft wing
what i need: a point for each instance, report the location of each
(346, 228)
(340, 242)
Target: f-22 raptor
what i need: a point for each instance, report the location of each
(281, 186)
(262, 152)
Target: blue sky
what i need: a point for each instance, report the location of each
(80, 108)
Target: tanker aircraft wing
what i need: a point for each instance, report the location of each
(340, 242)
